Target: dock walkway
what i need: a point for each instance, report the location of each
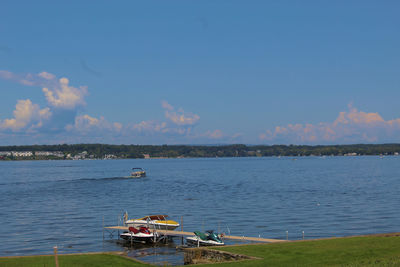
(182, 233)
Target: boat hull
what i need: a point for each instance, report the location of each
(139, 237)
(137, 175)
(194, 240)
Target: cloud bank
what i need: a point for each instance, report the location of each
(177, 128)
(350, 126)
(64, 101)
(177, 124)
(58, 92)
(63, 121)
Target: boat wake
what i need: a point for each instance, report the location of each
(67, 180)
(100, 179)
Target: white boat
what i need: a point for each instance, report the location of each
(142, 235)
(209, 238)
(197, 241)
(153, 222)
(137, 173)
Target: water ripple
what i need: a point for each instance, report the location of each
(63, 203)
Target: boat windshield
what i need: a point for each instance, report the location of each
(155, 217)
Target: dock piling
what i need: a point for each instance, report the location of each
(182, 229)
(56, 256)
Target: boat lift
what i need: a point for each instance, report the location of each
(163, 235)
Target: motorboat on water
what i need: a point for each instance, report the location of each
(209, 238)
(153, 222)
(141, 234)
(138, 172)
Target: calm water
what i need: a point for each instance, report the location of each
(48, 203)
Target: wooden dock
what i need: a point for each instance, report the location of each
(182, 233)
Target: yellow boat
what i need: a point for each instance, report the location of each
(153, 222)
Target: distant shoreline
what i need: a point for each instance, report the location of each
(105, 151)
(294, 157)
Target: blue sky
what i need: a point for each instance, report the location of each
(199, 72)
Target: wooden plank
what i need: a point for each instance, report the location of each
(181, 233)
(170, 232)
(257, 239)
(117, 227)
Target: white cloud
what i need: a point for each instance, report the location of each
(178, 125)
(58, 92)
(7, 75)
(47, 76)
(86, 124)
(351, 126)
(65, 96)
(26, 115)
(166, 105)
(178, 129)
(63, 123)
(180, 117)
(29, 79)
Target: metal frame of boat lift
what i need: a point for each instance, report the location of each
(160, 235)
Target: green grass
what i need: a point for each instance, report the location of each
(70, 261)
(347, 252)
(355, 251)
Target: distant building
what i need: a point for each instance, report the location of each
(22, 154)
(58, 154)
(350, 154)
(81, 155)
(146, 156)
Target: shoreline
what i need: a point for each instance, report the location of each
(284, 156)
(364, 250)
(105, 151)
(393, 234)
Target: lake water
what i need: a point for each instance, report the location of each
(48, 203)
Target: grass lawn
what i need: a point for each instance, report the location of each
(354, 251)
(383, 250)
(70, 261)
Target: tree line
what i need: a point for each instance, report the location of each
(199, 151)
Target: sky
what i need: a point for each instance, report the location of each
(199, 72)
